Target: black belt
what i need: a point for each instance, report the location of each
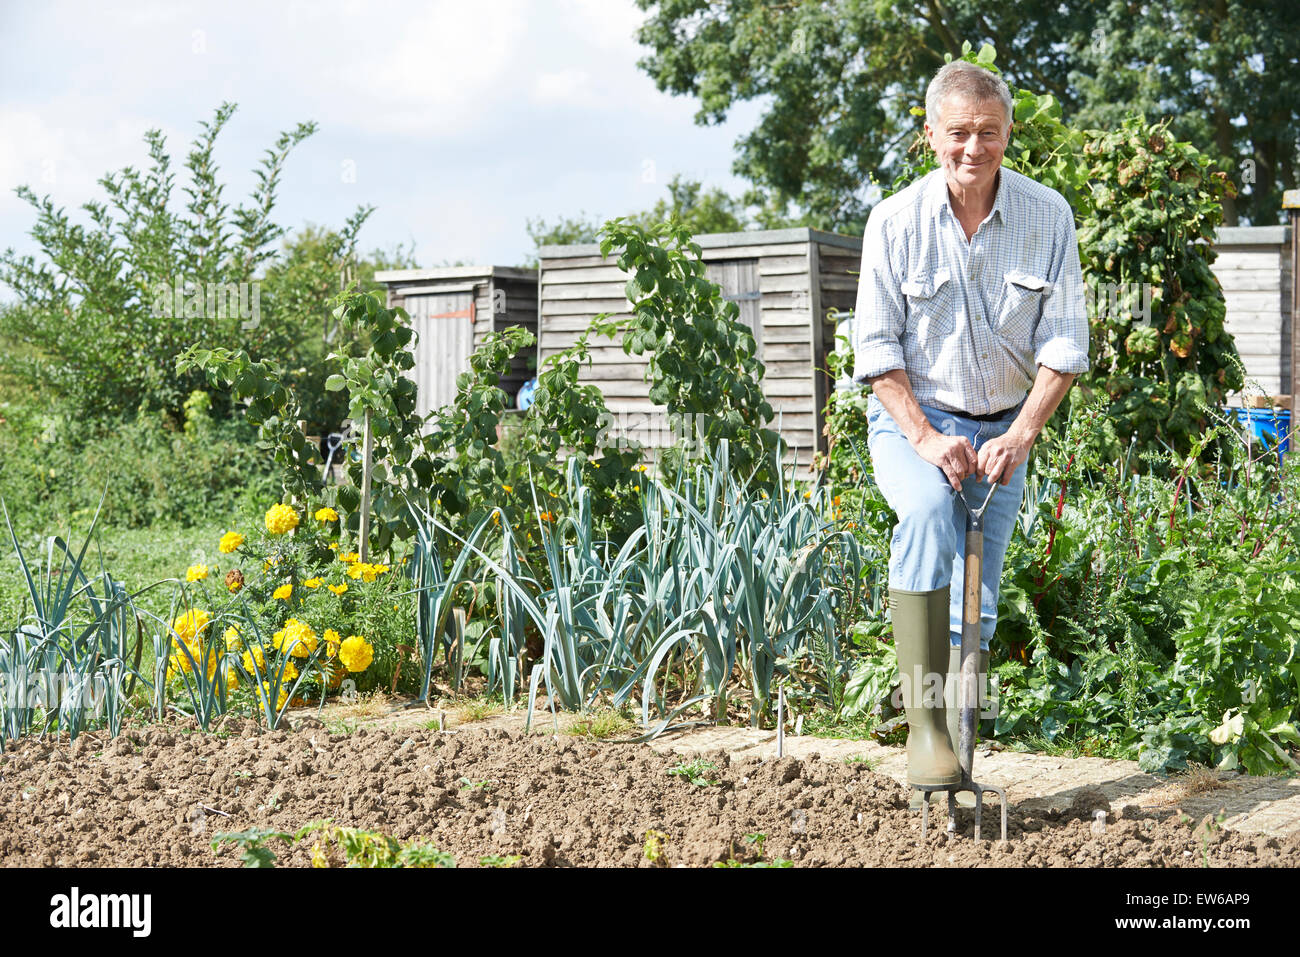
(991, 417)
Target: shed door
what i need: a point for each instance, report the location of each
(444, 326)
(738, 279)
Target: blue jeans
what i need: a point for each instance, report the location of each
(928, 550)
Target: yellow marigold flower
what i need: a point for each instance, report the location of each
(298, 639)
(355, 570)
(313, 583)
(280, 519)
(265, 695)
(334, 546)
(508, 489)
(338, 589)
(326, 514)
(547, 517)
(232, 679)
(332, 641)
(638, 468)
(232, 638)
(356, 653)
(254, 655)
(181, 662)
(836, 500)
(349, 557)
(807, 494)
(190, 625)
(290, 672)
(284, 591)
(229, 542)
(196, 573)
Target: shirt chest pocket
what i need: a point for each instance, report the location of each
(1021, 306)
(930, 312)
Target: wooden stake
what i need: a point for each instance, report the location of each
(366, 466)
(780, 722)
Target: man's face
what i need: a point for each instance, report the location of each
(969, 141)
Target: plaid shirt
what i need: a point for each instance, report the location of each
(970, 323)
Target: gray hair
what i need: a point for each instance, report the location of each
(966, 80)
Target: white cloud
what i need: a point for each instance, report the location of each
(568, 86)
(610, 26)
(424, 74)
(53, 151)
(463, 118)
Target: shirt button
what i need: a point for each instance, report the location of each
(984, 355)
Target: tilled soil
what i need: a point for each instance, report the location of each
(157, 796)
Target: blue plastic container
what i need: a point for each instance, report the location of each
(1268, 426)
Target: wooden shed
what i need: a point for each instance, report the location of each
(453, 309)
(1254, 266)
(788, 285)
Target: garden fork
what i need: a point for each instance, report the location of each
(968, 679)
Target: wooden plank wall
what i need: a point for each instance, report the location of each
(574, 289)
(577, 287)
(1254, 268)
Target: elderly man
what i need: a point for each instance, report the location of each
(970, 327)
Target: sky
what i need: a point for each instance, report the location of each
(459, 120)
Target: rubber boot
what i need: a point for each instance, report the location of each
(921, 641)
(952, 721)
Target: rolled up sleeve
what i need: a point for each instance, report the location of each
(1061, 340)
(878, 317)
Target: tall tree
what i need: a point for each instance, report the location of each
(843, 75)
(1228, 75)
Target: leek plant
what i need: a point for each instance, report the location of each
(67, 658)
(268, 680)
(716, 581)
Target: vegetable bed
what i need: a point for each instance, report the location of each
(159, 795)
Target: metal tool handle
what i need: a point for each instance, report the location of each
(968, 674)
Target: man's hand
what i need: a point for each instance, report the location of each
(999, 458)
(952, 454)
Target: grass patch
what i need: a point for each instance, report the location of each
(862, 759)
(601, 725)
(136, 557)
(468, 710)
(822, 724)
(1196, 781)
(1089, 746)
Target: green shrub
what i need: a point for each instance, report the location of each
(54, 467)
